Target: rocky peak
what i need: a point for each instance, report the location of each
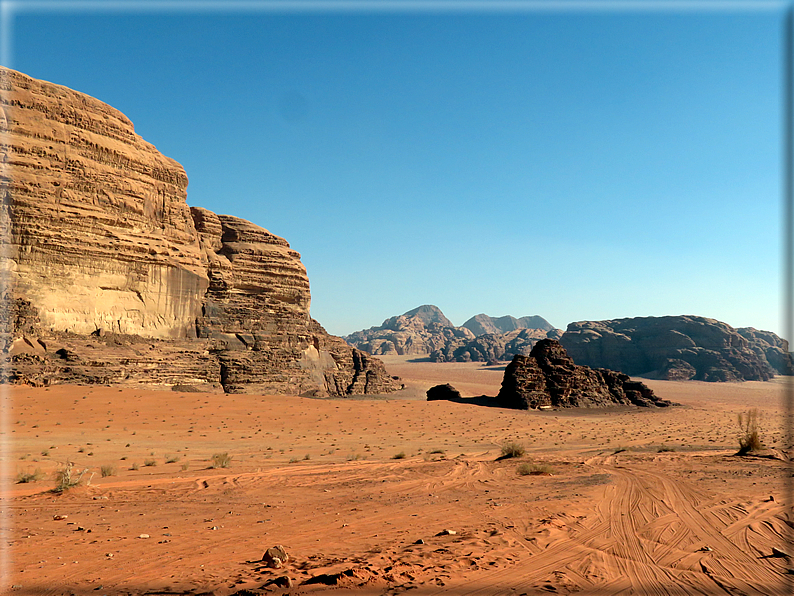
(482, 324)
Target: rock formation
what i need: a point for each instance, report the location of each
(442, 392)
(482, 324)
(549, 377)
(420, 331)
(678, 347)
(493, 346)
(110, 277)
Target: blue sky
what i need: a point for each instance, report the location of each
(575, 164)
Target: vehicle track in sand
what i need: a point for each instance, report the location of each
(652, 534)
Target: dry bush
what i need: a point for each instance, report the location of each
(149, 462)
(400, 455)
(171, 459)
(512, 450)
(527, 469)
(107, 471)
(221, 460)
(24, 477)
(65, 478)
(750, 438)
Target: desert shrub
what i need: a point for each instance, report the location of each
(66, 478)
(149, 462)
(400, 455)
(293, 460)
(527, 469)
(24, 477)
(439, 451)
(171, 459)
(107, 471)
(307, 457)
(665, 449)
(221, 460)
(134, 466)
(512, 450)
(750, 437)
(185, 466)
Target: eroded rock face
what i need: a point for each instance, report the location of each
(112, 278)
(678, 348)
(549, 377)
(95, 230)
(421, 330)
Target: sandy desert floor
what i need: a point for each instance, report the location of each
(384, 496)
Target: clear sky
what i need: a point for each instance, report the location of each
(580, 163)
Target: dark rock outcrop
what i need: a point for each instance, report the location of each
(421, 330)
(482, 324)
(111, 278)
(445, 391)
(678, 348)
(548, 377)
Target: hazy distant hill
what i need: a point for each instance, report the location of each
(482, 324)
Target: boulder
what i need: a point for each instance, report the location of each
(445, 391)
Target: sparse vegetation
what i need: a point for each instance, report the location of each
(185, 466)
(437, 451)
(65, 478)
(221, 460)
(400, 455)
(665, 449)
(149, 462)
(528, 469)
(307, 457)
(171, 459)
(25, 477)
(134, 466)
(107, 470)
(293, 460)
(750, 438)
(619, 450)
(512, 449)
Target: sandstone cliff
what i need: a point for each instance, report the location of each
(678, 347)
(110, 277)
(548, 377)
(421, 330)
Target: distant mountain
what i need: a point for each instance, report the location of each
(425, 330)
(482, 324)
(678, 348)
(421, 330)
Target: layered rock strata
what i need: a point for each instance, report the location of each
(110, 277)
(96, 231)
(678, 348)
(548, 377)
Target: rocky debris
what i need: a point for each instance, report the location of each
(275, 557)
(548, 377)
(445, 391)
(113, 279)
(421, 330)
(483, 324)
(679, 348)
